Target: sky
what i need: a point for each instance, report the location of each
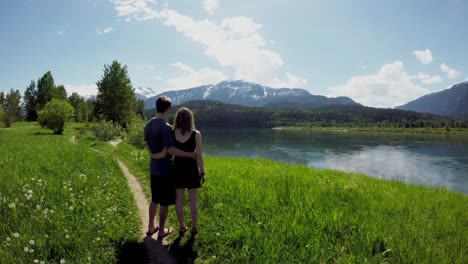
(380, 53)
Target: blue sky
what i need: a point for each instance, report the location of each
(380, 53)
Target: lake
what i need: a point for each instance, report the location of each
(431, 160)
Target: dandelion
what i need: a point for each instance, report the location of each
(62, 261)
(31, 250)
(218, 234)
(71, 208)
(36, 261)
(26, 249)
(31, 242)
(67, 236)
(42, 262)
(16, 234)
(98, 239)
(8, 239)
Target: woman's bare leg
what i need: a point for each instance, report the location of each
(180, 207)
(193, 207)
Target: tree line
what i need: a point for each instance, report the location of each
(217, 114)
(50, 105)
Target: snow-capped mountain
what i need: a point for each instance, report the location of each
(144, 92)
(251, 94)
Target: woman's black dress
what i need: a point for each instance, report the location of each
(186, 175)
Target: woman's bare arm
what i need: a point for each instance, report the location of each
(200, 163)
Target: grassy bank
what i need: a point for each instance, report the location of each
(260, 211)
(443, 131)
(60, 201)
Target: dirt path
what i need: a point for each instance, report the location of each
(114, 143)
(156, 251)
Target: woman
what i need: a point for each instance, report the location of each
(188, 173)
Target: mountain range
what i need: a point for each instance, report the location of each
(244, 93)
(452, 102)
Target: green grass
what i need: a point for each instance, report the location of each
(251, 210)
(60, 201)
(260, 211)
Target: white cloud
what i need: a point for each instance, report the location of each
(451, 73)
(82, 89)
(190, 77)
(428, 79)
(423, 56)
(143, 67)
(390, 86)
(61, 32)
(234, 42)
(136, 9)
(103, 31)
(210, 6)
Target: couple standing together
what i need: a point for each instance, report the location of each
(170, 177)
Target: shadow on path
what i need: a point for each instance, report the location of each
(153, 251)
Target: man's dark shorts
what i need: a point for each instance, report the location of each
(162, 190)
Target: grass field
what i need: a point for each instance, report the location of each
(260, 211)
(61, 202)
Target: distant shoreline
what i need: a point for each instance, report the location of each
(438, 131)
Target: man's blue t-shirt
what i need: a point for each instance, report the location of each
(159, 135)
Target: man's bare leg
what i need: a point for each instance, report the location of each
(152, 214)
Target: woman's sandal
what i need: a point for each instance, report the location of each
(156, 229)
(182, 230)
(166, 233)
(195, 229)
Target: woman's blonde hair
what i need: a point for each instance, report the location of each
(184, 120)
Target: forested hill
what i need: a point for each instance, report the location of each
(217, 114)
(452, 102)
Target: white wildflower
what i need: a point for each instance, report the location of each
(31, 242)
(26, 249)
(31, 250)
(67, 236)
(16, 234)
(8, 239)
(62, 261)
(12, 205)
(36, 261)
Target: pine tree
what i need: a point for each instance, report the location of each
(45, 90)
(60, 93)
(116, 98)
(12, 108)
(30, 102)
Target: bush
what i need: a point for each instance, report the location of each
(105, 130)
(135, 135)
(54, 115)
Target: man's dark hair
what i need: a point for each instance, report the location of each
(163, 103)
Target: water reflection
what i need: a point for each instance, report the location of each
(438, 160)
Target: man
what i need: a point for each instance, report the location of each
(159, 139)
